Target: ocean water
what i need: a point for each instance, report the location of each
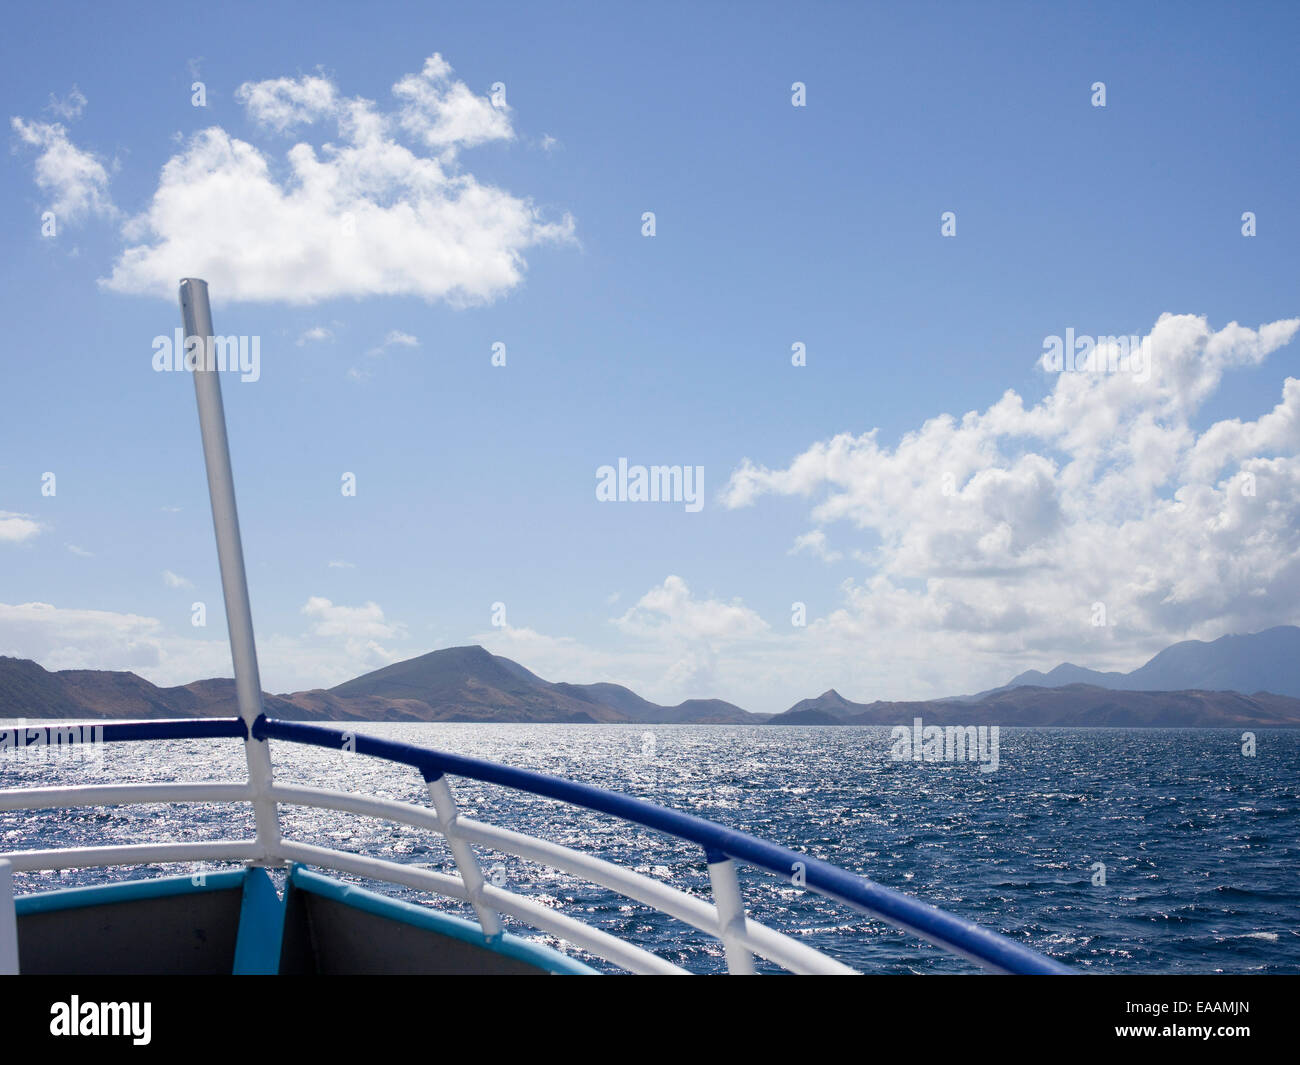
(1201, 844)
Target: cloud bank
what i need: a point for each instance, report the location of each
(1010, 525)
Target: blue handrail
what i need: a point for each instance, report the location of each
(957, 935)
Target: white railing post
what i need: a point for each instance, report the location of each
(470, 873)
(196, 316)
(731, 915)
(8, 922)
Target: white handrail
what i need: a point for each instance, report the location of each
(221, 850)
(120, 795)
(690, 910)
(699, 914)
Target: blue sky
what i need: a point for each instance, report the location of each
(1172, 502)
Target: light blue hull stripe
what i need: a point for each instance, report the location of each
(126, 891)
(261, 927)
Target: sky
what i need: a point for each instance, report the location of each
(815, 254)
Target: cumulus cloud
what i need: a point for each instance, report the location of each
(357, 628)
(690, 635)
(282, 103)
(358, 621)
(357, 214)
(75, 179)
(444, 113)
(670, 608)
(1007, 526)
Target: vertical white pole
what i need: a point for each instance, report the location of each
(8, 922)
(196, 316)
(731, 916)
(470, 873)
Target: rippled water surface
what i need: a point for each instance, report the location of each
(1200, 843)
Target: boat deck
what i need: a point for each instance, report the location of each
(237, 923)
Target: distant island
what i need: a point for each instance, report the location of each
(1235, 681)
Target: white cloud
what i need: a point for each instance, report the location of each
(80, 552)
(996, 532)
(358, 215)
(339, 644)
(60, 638)
(395, 339)
(283, 103)
(340, 564)
(77, 180)
(671, 609)
(814, 543)
(355, 621)
(70, 106)
(681, 642)
(315, 334)
(15, 528)
(175, 580)
(676, 646)
(356, 630)
(445, 113)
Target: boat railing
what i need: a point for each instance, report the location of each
(723, 849)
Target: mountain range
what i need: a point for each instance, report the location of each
(1263, 661)
(454, 684)
(1192, 683)
(1073, 705)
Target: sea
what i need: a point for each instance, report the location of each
(1112, 850)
